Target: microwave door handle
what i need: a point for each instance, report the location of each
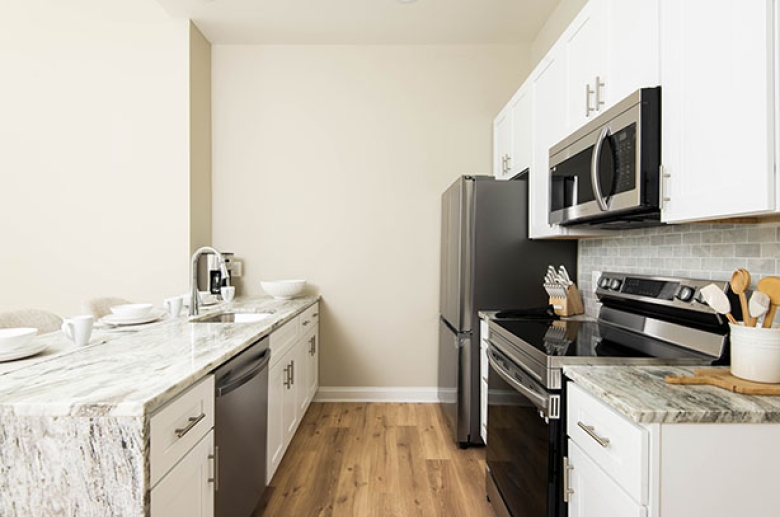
(594, 169)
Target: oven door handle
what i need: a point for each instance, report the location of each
(540, 401)
(594, 169)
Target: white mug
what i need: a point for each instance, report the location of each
(228, 292)
(78, 329)
(173, 306)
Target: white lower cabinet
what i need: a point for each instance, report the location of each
(618, 468)
(182, 464)
(188, 489)
(594, 493)
(293, 379)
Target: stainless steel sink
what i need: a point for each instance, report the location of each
(234, 317)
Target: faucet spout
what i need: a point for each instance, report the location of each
(194, 298)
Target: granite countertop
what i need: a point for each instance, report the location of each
(132, 374)
(641, 394)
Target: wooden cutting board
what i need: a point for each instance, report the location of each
(722, 378)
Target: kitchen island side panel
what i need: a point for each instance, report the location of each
(75, 467)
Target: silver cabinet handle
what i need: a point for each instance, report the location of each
(567, 491)
(193, 421)
(594, 168)
(313, 347)
(588, 93)
(305, 323)
(215, 477)
(599, 86)
(292, 372)
(315, 314)
(664, 178)
(287, 382)
(591, 431)
(508, 162)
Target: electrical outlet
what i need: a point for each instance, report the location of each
(236, 268)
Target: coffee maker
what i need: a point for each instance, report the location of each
(214, 273)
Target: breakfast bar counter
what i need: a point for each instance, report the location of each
(74, 434)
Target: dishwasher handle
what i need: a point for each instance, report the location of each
(247, 375)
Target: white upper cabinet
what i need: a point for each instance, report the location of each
(633, 60)
(502, 141)
(521, 108)
(512, 136)
(718, 101)
(548, 127)
(584, 47)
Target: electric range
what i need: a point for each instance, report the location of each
(643, 320)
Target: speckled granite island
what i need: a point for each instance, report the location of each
(74, 428)
(640, 447)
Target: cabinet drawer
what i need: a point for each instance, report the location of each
(310, 317)
(283, 338)
(179, 425)
(617, 445)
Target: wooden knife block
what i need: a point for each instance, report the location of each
(569, 306)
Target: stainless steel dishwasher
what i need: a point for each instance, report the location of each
(240, 427)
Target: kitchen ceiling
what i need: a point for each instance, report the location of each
(381, 22)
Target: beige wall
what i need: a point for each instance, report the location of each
(329, 163)
(93, 152)
(560, 18)
(200, 140)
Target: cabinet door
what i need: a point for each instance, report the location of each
(584, 48)
(594, 494)
(521, 148)
(549, 120)
(277, 378)
(632, 50)
(718, 139)
(187, 490)
(502, 139)
(313, 363)
(301, 377)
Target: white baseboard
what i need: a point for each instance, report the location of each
(374, 394)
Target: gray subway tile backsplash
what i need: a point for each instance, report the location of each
(706, 251)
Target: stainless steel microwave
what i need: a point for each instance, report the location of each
(607, 173)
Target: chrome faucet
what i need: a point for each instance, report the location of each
(194, 297)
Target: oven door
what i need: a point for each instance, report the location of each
(524, 456)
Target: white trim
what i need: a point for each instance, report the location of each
(376, 394)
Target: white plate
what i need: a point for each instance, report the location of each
(113, 319)
(32, 349)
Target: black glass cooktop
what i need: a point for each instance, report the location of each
(570, 338)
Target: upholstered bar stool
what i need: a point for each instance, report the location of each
(35, 318)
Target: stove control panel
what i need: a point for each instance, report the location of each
(683, 293)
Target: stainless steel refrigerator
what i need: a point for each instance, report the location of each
(487, 263)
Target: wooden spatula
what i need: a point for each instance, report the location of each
(770, 286)
(740, 281)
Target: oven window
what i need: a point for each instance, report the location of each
(523, 452)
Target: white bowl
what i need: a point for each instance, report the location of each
(284, 289)
(132, 310)
(755, 353)
(15, 338)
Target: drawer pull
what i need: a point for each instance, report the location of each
(315, 314)
(305, 323)
(194, 420)
(591, 431)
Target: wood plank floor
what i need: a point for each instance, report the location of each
(376, 459)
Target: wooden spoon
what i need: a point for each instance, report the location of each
(770, 285)
(718, 300)
(740, 281)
